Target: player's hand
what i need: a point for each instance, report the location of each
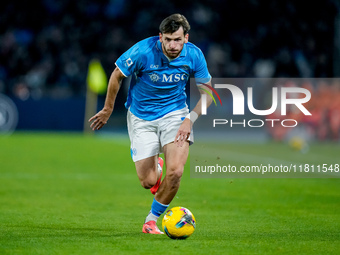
(100, 119)
(183, 133)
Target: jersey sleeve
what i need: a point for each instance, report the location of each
(201, 72)
(130, 61)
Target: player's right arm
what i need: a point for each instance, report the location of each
(101, 118)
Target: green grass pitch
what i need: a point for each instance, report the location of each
(73, 194)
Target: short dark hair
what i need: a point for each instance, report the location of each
(172, 23)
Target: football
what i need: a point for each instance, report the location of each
(178, 223)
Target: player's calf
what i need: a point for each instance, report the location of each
(147, 172)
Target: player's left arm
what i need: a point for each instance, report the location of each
(186, 126)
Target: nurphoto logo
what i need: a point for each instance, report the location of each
(299, 98)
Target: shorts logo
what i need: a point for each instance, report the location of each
(154, 77)
(133, 152)
(129, 62)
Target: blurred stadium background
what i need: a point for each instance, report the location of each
(46, 47)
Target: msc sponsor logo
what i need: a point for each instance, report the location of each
(154, 77)
(175, 77)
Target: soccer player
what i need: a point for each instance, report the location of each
(158, 117)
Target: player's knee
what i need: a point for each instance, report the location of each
(146, 184)
(149, 182)
(175, 174)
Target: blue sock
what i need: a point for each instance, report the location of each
(156, 210)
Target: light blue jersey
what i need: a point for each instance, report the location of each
(158, 85)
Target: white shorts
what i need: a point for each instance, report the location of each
(149, 137)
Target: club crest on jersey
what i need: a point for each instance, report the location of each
(154, 77)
